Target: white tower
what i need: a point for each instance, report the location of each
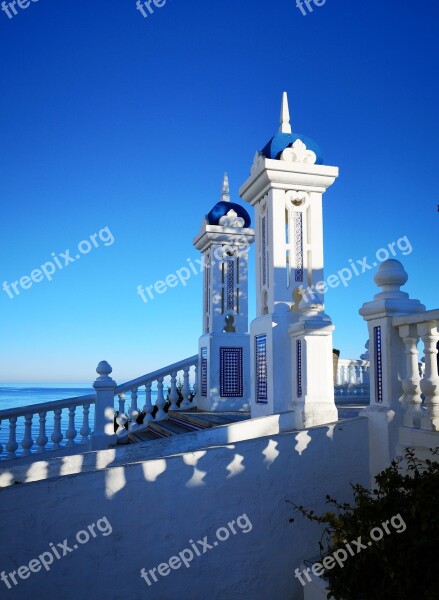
(224, 348)
(285, 188)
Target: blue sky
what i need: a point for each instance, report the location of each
(110, 120)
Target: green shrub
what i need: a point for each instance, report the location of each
(402, 566)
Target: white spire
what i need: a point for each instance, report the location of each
(285, 126)
(225, 197)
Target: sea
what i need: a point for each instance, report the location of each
(21, 394)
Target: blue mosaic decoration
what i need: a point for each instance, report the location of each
(261, 369)
(298, 229)
(378, 364)
(264, 251)
(204, 372)
(299, 368)
(230, 285)
(231, 373)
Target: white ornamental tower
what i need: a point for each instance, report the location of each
(286, 186)
(224, 348)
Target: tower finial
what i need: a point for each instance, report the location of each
(285, 126)
(225, 197)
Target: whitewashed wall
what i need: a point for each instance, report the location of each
(156, 506)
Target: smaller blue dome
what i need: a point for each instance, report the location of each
(222, 208)
(280, 141)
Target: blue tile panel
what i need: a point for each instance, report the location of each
(298, 230)
(261, 369)
(378, 364)
(204, 372)
(231, 373)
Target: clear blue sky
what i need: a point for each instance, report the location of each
(108, 119)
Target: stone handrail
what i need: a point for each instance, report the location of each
(36, 434)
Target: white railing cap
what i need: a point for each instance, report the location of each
(422, 317)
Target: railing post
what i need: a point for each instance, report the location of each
(388, 361)
(103, 436)
(311, 350)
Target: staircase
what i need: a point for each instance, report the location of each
(186, 422)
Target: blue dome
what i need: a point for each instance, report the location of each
(222, 208)
(280, 141)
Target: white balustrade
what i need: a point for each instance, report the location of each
(352, 381)
(420, 387)
(53, 433)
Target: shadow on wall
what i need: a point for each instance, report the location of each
(156, 508)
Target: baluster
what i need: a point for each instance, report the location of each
(410, 383)
(345, 375)
(1, 447)
(71, 432)
(430, 383)
(160, 414)
(352, 375)
(57, 435)
(339, 378)
(85, 429)
(12, 445)
(122, 398)
(173, 396)
(195, 389)
(27, 441)
(147, 409)
(186, 390)
(42, 437)
(133, 426)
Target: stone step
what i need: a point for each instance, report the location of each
(143, 436)
(204, 420)
(168, 428)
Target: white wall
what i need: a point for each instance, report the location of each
(156, 506)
